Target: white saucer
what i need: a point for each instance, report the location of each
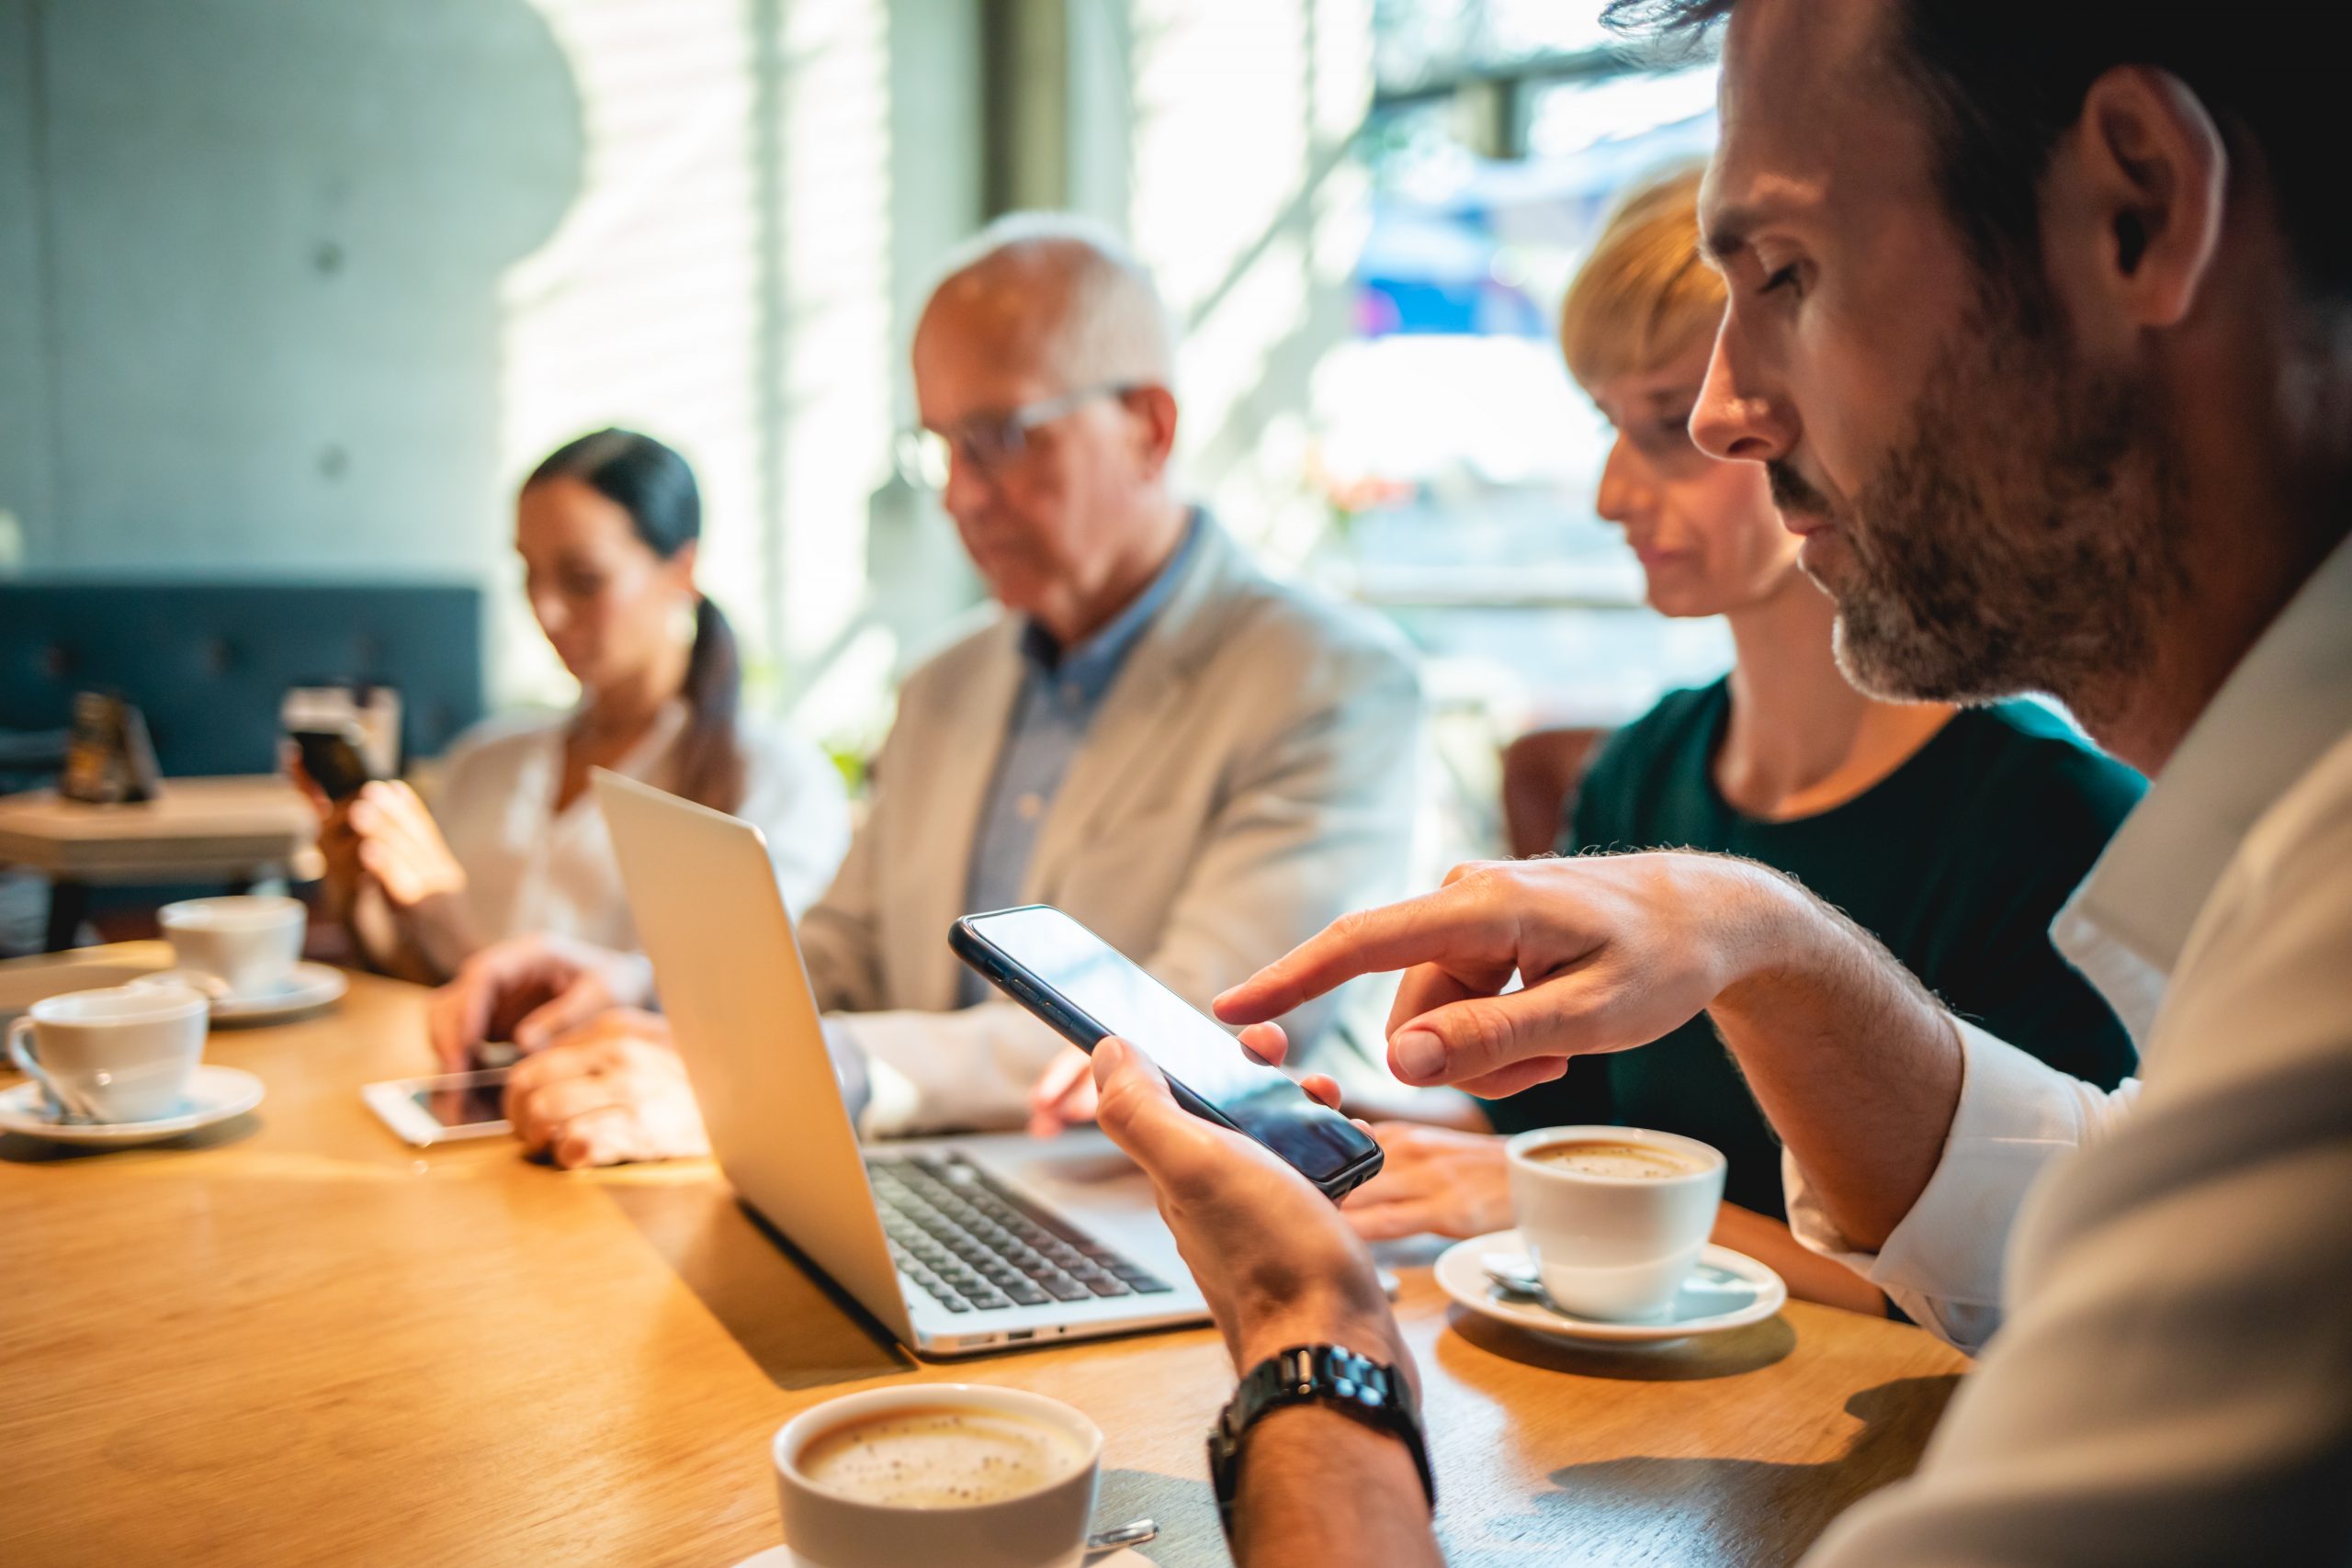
(781, 1557)
(309, 986)
(214, 1094)
(1727, 1290)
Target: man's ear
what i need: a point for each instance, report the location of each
(1155, 412)
(2148, 186)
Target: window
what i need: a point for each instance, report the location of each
(1366, 215)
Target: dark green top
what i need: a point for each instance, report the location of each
(1957, 861)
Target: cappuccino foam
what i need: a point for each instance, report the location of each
(1594, 1156)
(939, 1458)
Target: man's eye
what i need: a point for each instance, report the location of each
(1787, 274)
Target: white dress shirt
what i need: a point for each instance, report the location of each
(530, 868)
(2169, 1266)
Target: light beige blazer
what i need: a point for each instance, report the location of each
(1249, 776)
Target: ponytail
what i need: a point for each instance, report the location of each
(710, 756)
(656, 488)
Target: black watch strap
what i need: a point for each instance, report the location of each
(1370, 1392)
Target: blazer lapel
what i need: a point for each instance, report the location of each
(1132, 723)
(949, 783)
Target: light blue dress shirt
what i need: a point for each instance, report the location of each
(1060, 691)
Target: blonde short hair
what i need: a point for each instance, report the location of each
(1644, 295)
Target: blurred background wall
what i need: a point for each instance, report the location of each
(250, 276)
(304, 286)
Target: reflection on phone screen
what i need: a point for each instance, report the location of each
(1191, 1048)
(466, 1106)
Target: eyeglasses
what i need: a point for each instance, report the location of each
(988, 442)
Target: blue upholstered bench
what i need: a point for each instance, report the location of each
(209, 662)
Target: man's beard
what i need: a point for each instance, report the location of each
(2025, 536)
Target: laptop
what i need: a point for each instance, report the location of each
(957, 1245)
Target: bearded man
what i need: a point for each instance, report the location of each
(2040, 320)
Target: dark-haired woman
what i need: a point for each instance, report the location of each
(512, 842)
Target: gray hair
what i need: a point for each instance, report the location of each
(1091, 295)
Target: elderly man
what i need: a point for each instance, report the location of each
(2041, 322)
(1199, 763)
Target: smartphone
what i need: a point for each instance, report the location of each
(1086, 988)
(332, 759)
(425, 1111)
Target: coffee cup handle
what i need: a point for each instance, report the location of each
(20, 1054)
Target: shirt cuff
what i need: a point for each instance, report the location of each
(630, 978)
(881, 1100)
(891, 1102)
(932, 1072)
(1943, 1263)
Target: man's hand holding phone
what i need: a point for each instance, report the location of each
(1278, 1262)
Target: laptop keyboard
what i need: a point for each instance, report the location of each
(972, 1244)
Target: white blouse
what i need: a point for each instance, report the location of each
(530, 868)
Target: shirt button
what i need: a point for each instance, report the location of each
(1031, 807)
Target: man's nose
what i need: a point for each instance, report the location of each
(970, 485)
(1741, 417)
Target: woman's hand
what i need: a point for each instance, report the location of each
(401, 846)
(338, 844)
(607, 1093)
(530, 990)
(1433, 1179)
(1809, 1276)
(1277, 1263)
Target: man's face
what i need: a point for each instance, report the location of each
(1990, 514)
(1048, 526)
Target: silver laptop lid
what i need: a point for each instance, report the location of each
(705, 899)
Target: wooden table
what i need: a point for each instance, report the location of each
(233, 829)
(295, 1340)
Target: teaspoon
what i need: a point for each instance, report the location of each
(1133, 1533)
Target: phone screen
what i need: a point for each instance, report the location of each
(464, 1104)
(1099, 981)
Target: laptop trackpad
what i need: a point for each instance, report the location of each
(1080, 1167)
(1084, 1177)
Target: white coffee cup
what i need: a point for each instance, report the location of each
(1041, 1528)
(249, 944)
(122, 1054)
(1614, 1246)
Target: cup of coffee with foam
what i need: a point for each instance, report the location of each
(241, 947)
(1613, 1217)
(934, 1473)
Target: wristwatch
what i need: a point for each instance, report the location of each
(1370, 1392)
